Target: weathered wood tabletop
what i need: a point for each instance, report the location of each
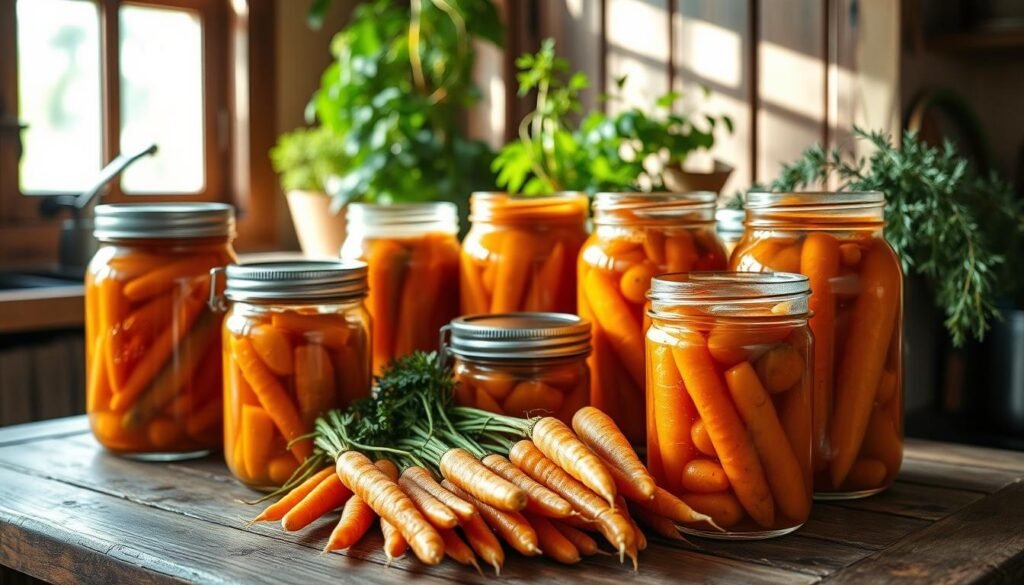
(70, 512)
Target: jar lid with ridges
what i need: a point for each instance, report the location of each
(299, 280)
(164, 220)
(519, 336)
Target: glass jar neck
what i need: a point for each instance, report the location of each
(402, 220)
(690, 209)
(327, 306)
(739, 296)
(169, 243)
(504, 208)
(839, 211)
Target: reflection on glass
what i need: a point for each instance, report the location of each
(162, 98)
(59, 94)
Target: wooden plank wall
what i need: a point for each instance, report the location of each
(790, 73)
(41, 376)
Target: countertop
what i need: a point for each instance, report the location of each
(69, 511)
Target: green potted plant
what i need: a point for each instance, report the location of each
(631, 150)
(386, 117)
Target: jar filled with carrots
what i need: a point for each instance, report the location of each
(836, 240)
(296, 344)
(153, 364)
(521, 364)
(412, 251)
(520, 254)
(729, 398)
(636, 236)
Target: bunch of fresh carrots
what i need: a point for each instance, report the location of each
(456, 481)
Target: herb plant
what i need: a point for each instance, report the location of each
(941, 218)
(392, 98)
(307, 158)
(621, 152)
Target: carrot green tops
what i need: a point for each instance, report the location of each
(835, 239)
(520, 254)
(413, 255)
(296, 344)
(152, 344)
(636, 236)
(729, 398)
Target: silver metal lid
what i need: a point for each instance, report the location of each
(299, 280)
(516, 336)
(164, 220)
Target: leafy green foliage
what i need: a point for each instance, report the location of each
(604, 152)
(307, 158)
(393, 96)
(941, 218)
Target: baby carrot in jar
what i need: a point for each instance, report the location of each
(153, 362)
(520, 254)
(412, 252)
(636, 236)
(836, 240)
(296, 344)
(729, 398)
(521, 364)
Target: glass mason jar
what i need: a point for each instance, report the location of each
(296, 344)
(413, 255)
(152, 346)
(636, 236)
(520, 253)
(729, 225)
(729, 399)
(521, 364)
(836, 240)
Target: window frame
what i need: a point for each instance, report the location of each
(17, 207)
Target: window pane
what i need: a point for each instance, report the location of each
(59, 94)
(162, 98)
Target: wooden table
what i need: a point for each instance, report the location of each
(71, 512)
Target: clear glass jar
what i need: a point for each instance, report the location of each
(521, 364)
(837, 241)
(520, 253)
(152, 346)
(729, 225)
(296, 344)
(636, 236)
(413, 255)
(729, 399)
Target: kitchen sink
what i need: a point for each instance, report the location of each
(20, 280)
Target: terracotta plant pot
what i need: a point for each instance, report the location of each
(320, 232)
(683, 181)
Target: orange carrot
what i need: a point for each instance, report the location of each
(464, 470)
(680, 253)
(387, 262)
(581, 540)
(314, 382)
(661, 525)
(439, 515)
(322, 329)
(394, 543)
(98, 385)
(356, 519)
(390, 502)
(780, 368)
(701, 439)
(795, 416)
(886, 387)
(457, 549)
(273, 348)
(731, 344)
(600, 433)
(557, 441)
(420, 291)
(514, 269)
(272, 396)
(735, 450)
(860, 368)
(636, 281)
(552, 541)
(326, 496)
(723, 508)
(512, 527)
(483, 401)
(497, 384)
(257, 435)
(540, 500)
(162, 279)
(665, 504)
(281, 468)
(819, 261)
(615, 319)
(531, 398)
(625, 485)
(425, 479)
(704, 476)
(882, 441)
(865, 474)
(785, 478)
(654, 245)
(483, 541)
(278, 509)
(474, 298)
(526, 456)
(673, 415)
(544, 288)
